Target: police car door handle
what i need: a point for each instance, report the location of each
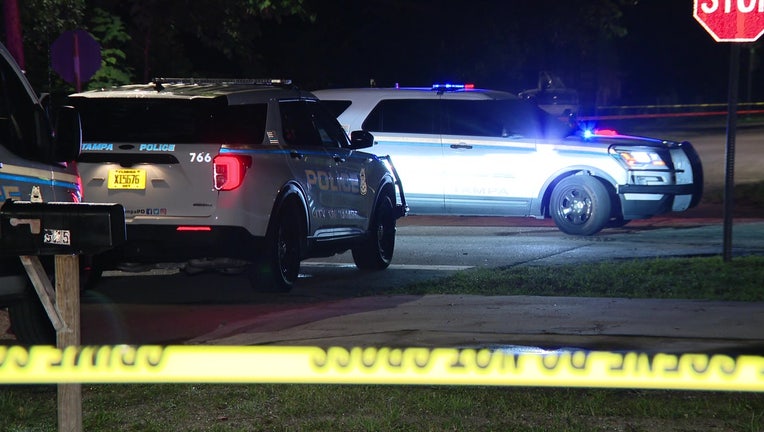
(339, 159)
(295, 154)
(461, 146)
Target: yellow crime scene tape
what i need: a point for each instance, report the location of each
(426, 366)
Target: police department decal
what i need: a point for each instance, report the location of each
(362, 177)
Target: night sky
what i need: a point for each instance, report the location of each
(666, 56)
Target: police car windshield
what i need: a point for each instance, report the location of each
(181, 121)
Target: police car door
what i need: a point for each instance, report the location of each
(325, 170)
(489, 162)
(23, 173)
(409, 131)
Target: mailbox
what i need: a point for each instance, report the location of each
(35, 228)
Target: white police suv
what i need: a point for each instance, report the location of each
(467, 151)
(235, 175)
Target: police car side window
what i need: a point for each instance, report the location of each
(16, 113)
(297, 126)
(330, 131)
(241, 124)
(472, 117)
(493, 118)
(404, 116)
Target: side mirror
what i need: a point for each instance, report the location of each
(361, 139)
(68, 135)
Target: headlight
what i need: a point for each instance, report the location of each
(639, 159)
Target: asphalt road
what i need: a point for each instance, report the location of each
(325, 308)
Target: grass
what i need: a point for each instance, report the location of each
(746, 195)
(190, 407)
(668, 278)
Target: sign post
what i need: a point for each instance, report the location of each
(733, 21)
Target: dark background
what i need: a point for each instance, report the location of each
(665, 57)
(614, 52)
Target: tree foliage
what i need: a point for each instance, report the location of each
(142, 37)
(110, 31)
(320, 43)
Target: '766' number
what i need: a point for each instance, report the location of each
(201, 157)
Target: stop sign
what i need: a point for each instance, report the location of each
(731, 20)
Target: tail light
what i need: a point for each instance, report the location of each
(229, 170)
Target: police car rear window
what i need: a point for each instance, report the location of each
(179, 121)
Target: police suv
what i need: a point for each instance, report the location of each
(235, 175)
(34, 166)
(467, 151)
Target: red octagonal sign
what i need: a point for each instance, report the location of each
(731, 20)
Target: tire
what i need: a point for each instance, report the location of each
(30, 322)
(376, 251)
(278, 268)
(580, 205)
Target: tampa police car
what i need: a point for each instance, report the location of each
(467, 151)
(235, 175)
(34, 166)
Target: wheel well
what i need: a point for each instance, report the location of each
(615, 209)
(387, 189)
(291, 198)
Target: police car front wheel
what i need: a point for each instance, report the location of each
(580, 205)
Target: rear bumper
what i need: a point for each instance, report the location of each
(165, 243)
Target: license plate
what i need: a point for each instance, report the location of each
(127, 179)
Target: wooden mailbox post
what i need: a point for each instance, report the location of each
(64, 230)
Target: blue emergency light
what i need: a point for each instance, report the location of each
(452, 87)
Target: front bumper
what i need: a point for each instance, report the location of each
(644, 201)
(677, 189)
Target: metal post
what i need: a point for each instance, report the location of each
(729, 173)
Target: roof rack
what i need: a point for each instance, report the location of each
(222, 81)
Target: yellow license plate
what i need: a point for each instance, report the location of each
(127, 179)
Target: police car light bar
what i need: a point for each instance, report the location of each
(452, 87)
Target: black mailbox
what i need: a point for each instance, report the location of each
(32, 228)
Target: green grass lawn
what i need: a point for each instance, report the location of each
(194, 407)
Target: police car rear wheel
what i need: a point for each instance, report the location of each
(277, 271)
(376, 252)
(580, 205)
